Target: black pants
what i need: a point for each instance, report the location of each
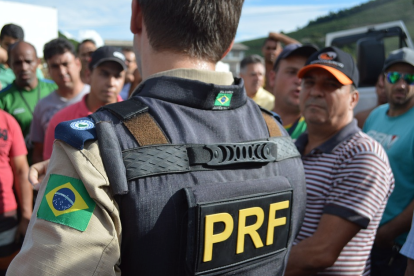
(387, 262)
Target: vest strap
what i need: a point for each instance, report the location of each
(272, 126)
(166, 159)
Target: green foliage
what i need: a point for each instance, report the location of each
(372, 12)
(74, 42)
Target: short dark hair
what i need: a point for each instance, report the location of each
(127, 49)
(14, 45)
(269, 39)
(200, 29)
(253, 59)
(12, 30)
(57, 46)
(83, 42)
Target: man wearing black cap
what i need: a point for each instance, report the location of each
(286, 86)
(392, 126)
(348, 177)
(107, 67)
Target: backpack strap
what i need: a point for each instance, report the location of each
(134, 115)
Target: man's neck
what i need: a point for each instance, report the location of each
(70, 92)
(27, 86)
(288, 116)
(93, 103)
(397, 110)
(319, 134)
(156, 62)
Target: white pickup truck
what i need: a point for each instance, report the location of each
(370, 46)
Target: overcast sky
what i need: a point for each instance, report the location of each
(111, 18)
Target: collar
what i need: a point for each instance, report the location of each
(328, 146)
(202, 89)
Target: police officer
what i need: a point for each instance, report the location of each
(188, 177)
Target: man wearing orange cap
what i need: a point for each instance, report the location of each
(348, 177)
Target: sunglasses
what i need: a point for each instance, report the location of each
(394, 77)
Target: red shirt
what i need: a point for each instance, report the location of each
(74, 111)
(11, 145)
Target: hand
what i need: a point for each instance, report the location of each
(37, 172)
(21, 229)
(384, 238)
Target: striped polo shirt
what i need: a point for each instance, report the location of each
(347, 176)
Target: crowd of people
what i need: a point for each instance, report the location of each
(163, 118)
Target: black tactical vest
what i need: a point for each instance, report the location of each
(201, 187)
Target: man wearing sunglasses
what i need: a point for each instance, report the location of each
(392, 125)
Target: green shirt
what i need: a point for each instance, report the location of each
(7, 76)
(297, 128)
(21, 104)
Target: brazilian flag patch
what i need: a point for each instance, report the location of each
(66, 202)
(223, 99)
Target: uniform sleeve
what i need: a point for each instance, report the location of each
(52, 245)
(408, 248)
(18, 146)
(36, 130)
(363, 184)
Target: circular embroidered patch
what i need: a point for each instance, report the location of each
(82, 125)
(63, 199)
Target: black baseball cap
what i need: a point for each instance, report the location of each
(295, 49)
(403, 55)
(107, 53)
(332, 59)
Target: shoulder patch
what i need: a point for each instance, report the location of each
(66, 201)
(76, 132)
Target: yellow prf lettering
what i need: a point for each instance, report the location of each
(273, 221)
(210, 238)
(251, 229)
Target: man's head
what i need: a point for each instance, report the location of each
(10, 34)
(328, 95)
(271, 49)
(85, 50)
(130, 62)
(202, 30)
(107, 74)
(284, 80)
(23, 61)
(252, 72)
(63, 65)
(399, 78)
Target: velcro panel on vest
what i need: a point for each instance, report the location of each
(164, 159)
(242, 221)
(146, 130)
(272, 126)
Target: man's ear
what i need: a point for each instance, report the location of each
(228, 49)
(136, 17)
(354, 99)
(272, 78)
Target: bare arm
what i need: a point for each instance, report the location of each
(410, 267)
(37, 155)
(321, 250)
(24, 192)
(388, 232)
(283, 38)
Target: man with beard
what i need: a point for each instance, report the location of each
(392, 126)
